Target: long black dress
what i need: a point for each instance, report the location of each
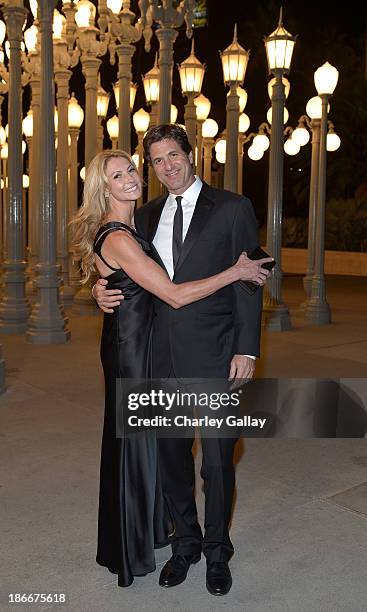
(132, 516)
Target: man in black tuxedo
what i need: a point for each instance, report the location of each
(197, 231)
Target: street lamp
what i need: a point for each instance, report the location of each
(191, 75)
(75, 120)
(332, 139)
(103, 99)
(203, 105)
(209, 131)
(90, 49)
(123, 33)
(243, 126)
(113, 130)
(14, 307)
(269, 115)
(141, 121)
(279, 49)
(132, 94)
(317, 307)
(151, 88)
(47, 322)
(242, 95)
(234, 64)
(169, 17)
(291, 147)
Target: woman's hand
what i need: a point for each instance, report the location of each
(251, 270)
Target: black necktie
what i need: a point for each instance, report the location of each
(177, 232)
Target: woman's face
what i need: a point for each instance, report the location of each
(124, 183)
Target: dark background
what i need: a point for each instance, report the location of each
(325, 32)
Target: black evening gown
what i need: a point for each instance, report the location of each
(132, 517)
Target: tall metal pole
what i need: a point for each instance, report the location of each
(315, 157)
(125, 53)
(62, 78)
(166, 36)
(83, 302)
(73, 202)
(90, 67)
(153, 182)
(317, 307)
(47, 323)
(241, 141)
(14, 307)
(277, 315)
(208, 144)
(231, 166)
(199, 145)
(190, 121)
(34, 178)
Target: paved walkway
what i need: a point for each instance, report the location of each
(300, 516)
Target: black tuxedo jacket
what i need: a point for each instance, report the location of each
(200, 339)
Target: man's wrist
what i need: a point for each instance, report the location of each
(250, 356)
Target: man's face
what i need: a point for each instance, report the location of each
(172, 165)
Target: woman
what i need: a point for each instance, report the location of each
(131, 510)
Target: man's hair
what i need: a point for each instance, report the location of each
(163, 132)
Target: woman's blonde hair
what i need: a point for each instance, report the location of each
(93, 210)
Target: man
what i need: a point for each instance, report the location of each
(197, 231)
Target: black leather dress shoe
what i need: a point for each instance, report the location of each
(218, 578)
(175, 570)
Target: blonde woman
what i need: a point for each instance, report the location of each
(131, 510)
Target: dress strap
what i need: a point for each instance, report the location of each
(101, 236)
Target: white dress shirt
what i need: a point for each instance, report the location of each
(163, 237)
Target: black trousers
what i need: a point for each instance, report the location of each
(178, 481)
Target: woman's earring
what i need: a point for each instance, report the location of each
(107, 196)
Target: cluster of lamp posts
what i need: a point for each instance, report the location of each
(52, 46)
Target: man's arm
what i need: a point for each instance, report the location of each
(247, 308)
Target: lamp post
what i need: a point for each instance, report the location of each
(243, 126)
(203, 105)
(90, 49)
(4, 163)
(120, 21)
(279, 49)
(33, 66)
(103, 99)
(27, 126)
(151, 88)
(14, 308)
(191, 75)
(234, 64)
(141, 123)
(313, 110)
(169, 17)
(75, 120)
(113, 130)
(47, 323)
(209, 132)
(317, 307)
(62, 61)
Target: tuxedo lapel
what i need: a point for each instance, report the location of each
(154, 216)
(203, 208)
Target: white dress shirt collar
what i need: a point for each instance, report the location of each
(191, 194)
